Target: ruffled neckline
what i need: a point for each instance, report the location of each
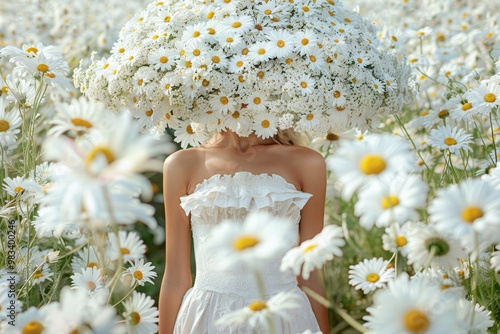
(242, 190)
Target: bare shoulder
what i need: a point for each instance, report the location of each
(183, 158)
(304, 158)
(179, 167)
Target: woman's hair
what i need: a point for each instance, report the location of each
(291, 137)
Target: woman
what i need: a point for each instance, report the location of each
(234, 156)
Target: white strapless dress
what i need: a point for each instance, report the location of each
(216, 292)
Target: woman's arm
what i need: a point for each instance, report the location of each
(312, 169)
(177, 276)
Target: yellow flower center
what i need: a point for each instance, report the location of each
(372, 164)
(257, 100)
(490, 98)
(50, 75)
(337, 94)
(310, 248)
(81, 122)
(229, 40)
(303, 84)
(261, 51)
(309, 117)
(268, 12)
(91, 286)
(239, 63)
(280, 43)
(467, 106)
(312, 58)
(224, 100)
(211, 31)
(121, 50)
(236, 24)
(372, 277)
(471, 213)
(245, 51)
(196, 34)
(450, 141)
(92, 265)
(236, 115)
(18, 189)
(167, 86)
(211, 15)
(138, 275)
(100, 150)
(416, 321)
(424, 113)
(389, 202)
(149, 113)
(359, 60)
(205, 82)
(305, 9)
(260, 75)
(401, 240)
(5, 89)
(257, 306)
(124, 251)
(33, 327)
(189, 129)
(42, 68)
(304, 41)
(4, 125)
(443, 113)
(332, 136)
(32, 49)
(135, 318)
(265, 124)
(166, 19)
(38, 275)
(140, 82)
(244, 242)
(216, 59)
(163, 59)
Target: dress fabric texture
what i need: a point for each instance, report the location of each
(216, 292)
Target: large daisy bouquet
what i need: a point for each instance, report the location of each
(249, 67)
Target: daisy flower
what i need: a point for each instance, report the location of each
(89, 280)
(238, 63)
(472, 318)
(391, 201)
(313, 253)
(140, 272)
(195, 32)
(10, 121)
(359, 163)
(395, 238)
(32, 320)
(468, 211)
(410, 306)
(260, 237)
(140, 314)
(222, 103)
(259, 313)
(426, 245)
(229, 39)
(265, 125)
(257, 101)
(80, 117)
(163, 59)
(260, 52)
(305, 84)
(485, 97)
(240, 24)
(187, 136)
(370, 275)
(316, 59)
(129, 245)
(306, 40)
(453, 139)
(281, 43)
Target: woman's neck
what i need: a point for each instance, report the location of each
(229, 139)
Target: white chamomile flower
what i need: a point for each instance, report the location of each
(140, 315)
(472, 318)
(260, 237)
(257, 101)
(129, 245)
(306, 40)
(10, 121)
(469, 211)
(395, 238)
(195, 32)
(391, 201)
(259, 313)
(495, 259)
(313, 253)
(410, 306)
(140, 272)
(163, 59)
(426, 245)
(238, 63)
(305, 84)
(240, 24)
(281, 43)
(229, 39)
(358, 163)
(265, 125)
(310, 120)
(33, 320)
(316, 59)
(370, 275)
(260, 52)
(222, 103)
(89, 280)
(485, 97)
(452, 139)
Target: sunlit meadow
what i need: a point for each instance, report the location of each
(413, 204)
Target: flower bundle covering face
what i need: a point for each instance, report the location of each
(249, 66)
